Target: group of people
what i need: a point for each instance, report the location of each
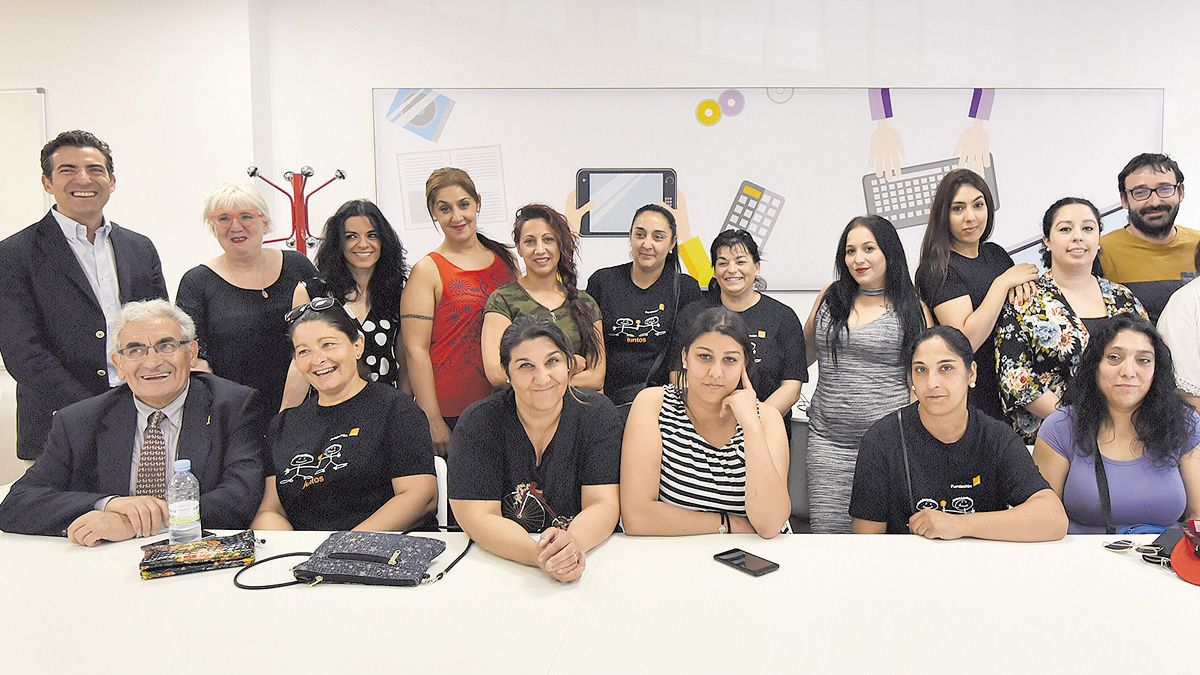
(316, 397)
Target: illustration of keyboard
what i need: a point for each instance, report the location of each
(905, 200)
(755, 210)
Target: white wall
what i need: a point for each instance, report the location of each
(189, 94)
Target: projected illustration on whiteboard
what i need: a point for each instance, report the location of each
(755, 209)
(616, 193)
(422, 111)
(906, 199)
(483, 163)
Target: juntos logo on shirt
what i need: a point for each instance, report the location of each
(312, 470)
(640, 330)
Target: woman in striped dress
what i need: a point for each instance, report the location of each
(859, 330)
(706, 456)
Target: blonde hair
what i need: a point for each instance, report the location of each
(234, 196)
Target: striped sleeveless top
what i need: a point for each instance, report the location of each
(695, 474)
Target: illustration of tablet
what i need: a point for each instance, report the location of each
(616, 194)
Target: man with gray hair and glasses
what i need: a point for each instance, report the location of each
(108, 458)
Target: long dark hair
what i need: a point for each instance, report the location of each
(568, 244)
(716, 320)
(390, 273)
(938, 241)
(448, 176)
(1164, 421)
(898, 287)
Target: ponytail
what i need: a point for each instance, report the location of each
(501, 251)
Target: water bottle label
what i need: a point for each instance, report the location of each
(184, 513)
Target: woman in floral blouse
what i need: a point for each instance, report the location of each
(1039, 341)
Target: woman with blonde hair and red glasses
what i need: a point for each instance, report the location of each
(441, 311)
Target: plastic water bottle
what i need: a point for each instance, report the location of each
(183, 503)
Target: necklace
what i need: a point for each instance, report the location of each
(264, 293)
(872, 292)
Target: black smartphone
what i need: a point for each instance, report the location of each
(746, 562)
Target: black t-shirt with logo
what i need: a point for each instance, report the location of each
(493, 459)
(988, 469)
(637, 325)
(775, 333)
(334, 465)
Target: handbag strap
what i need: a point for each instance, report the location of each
(1102, 488)
(447, 528)
(907, 473)
(264, 587)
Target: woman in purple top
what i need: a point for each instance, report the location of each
(1122, 403)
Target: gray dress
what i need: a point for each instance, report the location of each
(868, 382)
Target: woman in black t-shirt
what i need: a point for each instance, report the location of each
(965, 279)
(356, 457)
(775, 332)
(639, 301)
(538, 458)
(939, 469)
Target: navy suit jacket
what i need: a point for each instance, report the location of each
(89, 455)
(52, 330)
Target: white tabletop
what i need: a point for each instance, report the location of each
(837, 604)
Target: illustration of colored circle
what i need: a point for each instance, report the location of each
(780, 94)
(708, 112)
(732, 102)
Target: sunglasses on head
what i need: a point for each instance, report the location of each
(316, 305)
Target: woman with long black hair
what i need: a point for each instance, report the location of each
(965, 279)
(859, 330)
(361, 262)
(1122, 405)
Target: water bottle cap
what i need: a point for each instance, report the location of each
(182, 465)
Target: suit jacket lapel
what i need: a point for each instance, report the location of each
(116, 237)
(195, 438)
(54, 250)
(114, 445)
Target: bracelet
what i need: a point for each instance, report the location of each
(725, 523)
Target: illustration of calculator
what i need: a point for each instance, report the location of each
(755, 209)
(906, 199)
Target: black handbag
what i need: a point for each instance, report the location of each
(372, 558)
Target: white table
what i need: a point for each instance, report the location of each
(837, 604)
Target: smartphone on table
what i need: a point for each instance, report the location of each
(746, 562)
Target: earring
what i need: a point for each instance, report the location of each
(971, 385)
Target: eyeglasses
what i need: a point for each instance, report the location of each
(1143, 193)
(1151, 553)
(139, 352)
(316, 305)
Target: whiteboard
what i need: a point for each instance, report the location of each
(22, 135)
(807, 146)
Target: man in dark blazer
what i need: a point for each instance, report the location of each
(64, 280)
(103, 471)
